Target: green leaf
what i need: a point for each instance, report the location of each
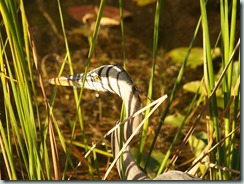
(154, 162)
(196, 56)
(144, 2)
(197, 144)
(194, 85)
(175, 119)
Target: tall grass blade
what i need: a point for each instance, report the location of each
(210, 82)
(172, 95)
(156, 104)
(18, 92)
(158, 11)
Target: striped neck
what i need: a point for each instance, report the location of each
(126, 165)
(114, 79)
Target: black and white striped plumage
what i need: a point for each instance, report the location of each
(110, 78)
(115, 79)
(104, 78)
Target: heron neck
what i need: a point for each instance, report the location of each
(126, 165)
(132, 104)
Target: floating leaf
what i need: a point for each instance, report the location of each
(174, 120)
(196, 56)
(197, 143)
(88, 14)
(194, 85)
(144, 2)
(155, 161)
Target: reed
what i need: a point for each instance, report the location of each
(19, 137)
(30, 145)
(228, 116)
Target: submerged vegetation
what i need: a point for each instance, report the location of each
(52, 133)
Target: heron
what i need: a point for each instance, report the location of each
(115, 79)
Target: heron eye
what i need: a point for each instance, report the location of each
(97, 78)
